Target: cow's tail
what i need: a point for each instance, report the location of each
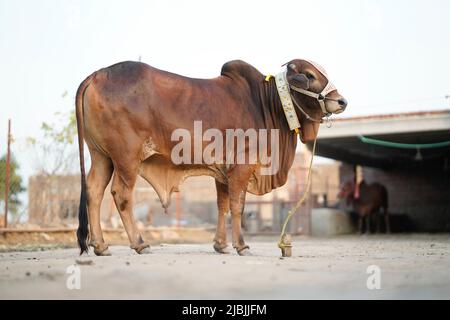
(83, 231)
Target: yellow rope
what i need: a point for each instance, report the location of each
(291, 212)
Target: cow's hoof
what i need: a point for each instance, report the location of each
(220, 248)
(143, 249)
(102, 253)
(245, 251)
(100, 248)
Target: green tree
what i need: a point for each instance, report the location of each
(55, 151)
(15, 186)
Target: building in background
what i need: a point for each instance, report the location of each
(53, 201)
(409, 153)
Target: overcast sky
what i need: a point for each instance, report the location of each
(384, 56)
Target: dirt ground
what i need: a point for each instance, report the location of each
(41, 239)
(411, 267)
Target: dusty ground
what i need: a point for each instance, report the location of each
(39, 239)
(412, 266)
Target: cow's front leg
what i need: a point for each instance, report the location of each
(238, 181)
(223, 206)
(360, 223)
(368, 218)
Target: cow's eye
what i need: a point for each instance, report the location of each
(310, 76)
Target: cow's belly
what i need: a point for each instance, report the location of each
(165, 177)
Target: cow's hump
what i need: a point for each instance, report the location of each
(240, 68)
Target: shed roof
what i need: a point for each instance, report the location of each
(416, 130)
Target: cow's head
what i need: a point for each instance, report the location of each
(309, 76)
(347, 191)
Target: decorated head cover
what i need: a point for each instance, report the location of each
(330, 86)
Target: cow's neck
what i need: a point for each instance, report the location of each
(272, 106)
(273, 116)
(362, 198)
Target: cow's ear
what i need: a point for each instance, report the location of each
(293, 67)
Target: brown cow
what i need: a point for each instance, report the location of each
(366, 201)
(127, 113)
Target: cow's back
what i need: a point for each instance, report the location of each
(381, 194)
(372, 198)
(134, 102)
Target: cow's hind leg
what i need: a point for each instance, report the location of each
(123, 183)
(360, 223)
(223, 206)
(97, 180)
(386, 220)
(378, 222)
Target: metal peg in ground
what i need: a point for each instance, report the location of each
(286, 245)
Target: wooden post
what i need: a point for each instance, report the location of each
(8, 169)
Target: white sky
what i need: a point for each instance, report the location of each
(384, 56)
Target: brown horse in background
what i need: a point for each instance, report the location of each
(367, 199)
